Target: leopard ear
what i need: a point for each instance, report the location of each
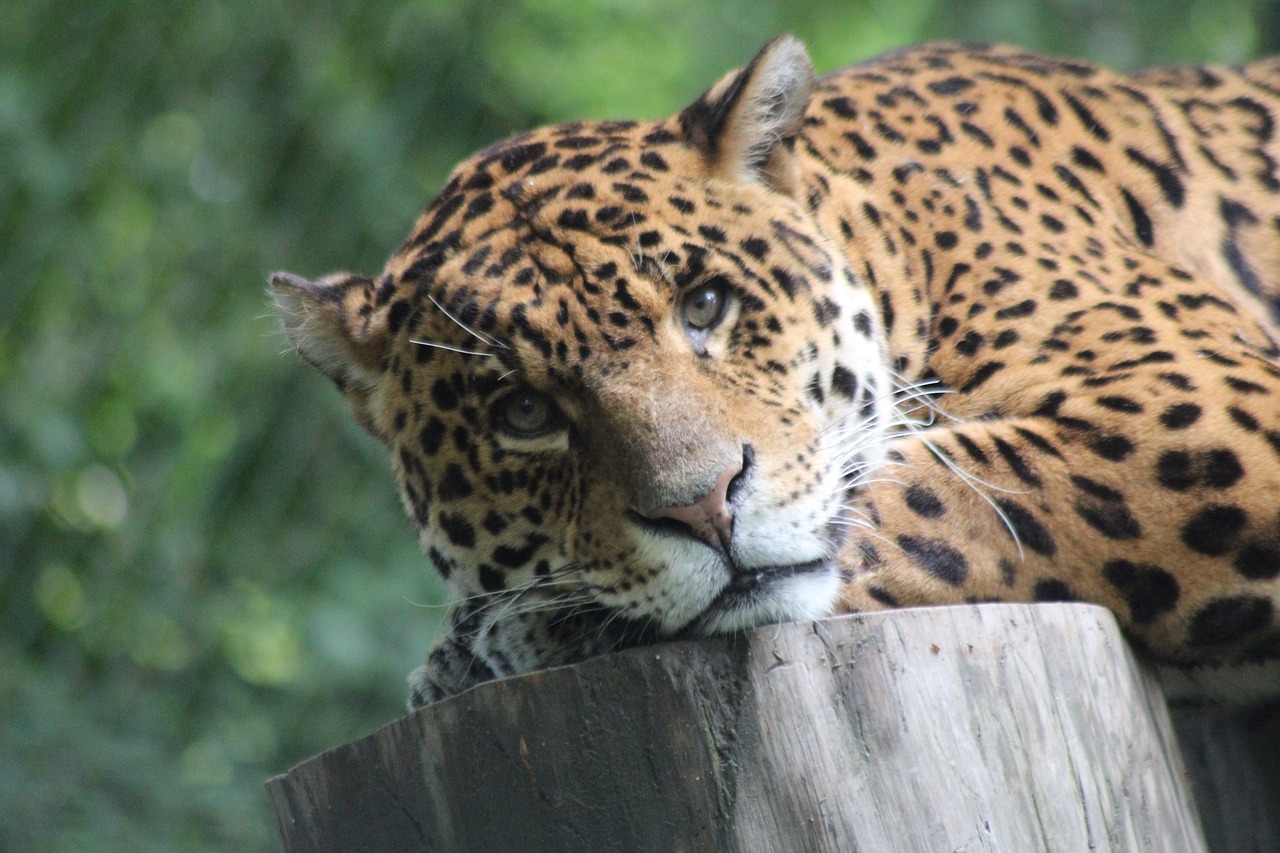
(336, 325)
(746, 124)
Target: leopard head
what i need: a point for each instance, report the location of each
(625, 377)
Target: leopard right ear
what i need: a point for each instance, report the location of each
(336, 324)
(746, 124)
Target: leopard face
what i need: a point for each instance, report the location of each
(651, 380)
(625, 432)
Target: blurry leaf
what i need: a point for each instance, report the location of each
(60, 597)
(261, 640)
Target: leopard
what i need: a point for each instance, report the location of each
(957, 324)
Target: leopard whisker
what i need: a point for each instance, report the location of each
(637, 257)
(450, 348)
(517, 606)
(858, 521)
(976, 484)
(551, 579)
(857, 482)
(483, 338)
(920, 392)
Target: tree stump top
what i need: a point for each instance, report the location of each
(991, 727)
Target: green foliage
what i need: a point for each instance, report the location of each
(204, 573)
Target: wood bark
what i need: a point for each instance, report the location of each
(991, 727)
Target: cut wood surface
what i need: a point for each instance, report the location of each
(992, 727)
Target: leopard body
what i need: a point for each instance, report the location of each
(957, 324)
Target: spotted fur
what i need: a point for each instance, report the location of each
(957, 324)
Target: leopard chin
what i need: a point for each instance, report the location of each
(792, 593)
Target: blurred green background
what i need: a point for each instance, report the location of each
(205, 575)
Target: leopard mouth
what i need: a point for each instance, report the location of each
(758, 596)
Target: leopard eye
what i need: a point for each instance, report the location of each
(704, 306)
(526, 413)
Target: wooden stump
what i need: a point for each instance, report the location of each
(992, 727)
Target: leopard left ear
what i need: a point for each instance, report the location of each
(336, 324)
(746, 125)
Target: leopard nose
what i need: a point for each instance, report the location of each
(708, 519)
